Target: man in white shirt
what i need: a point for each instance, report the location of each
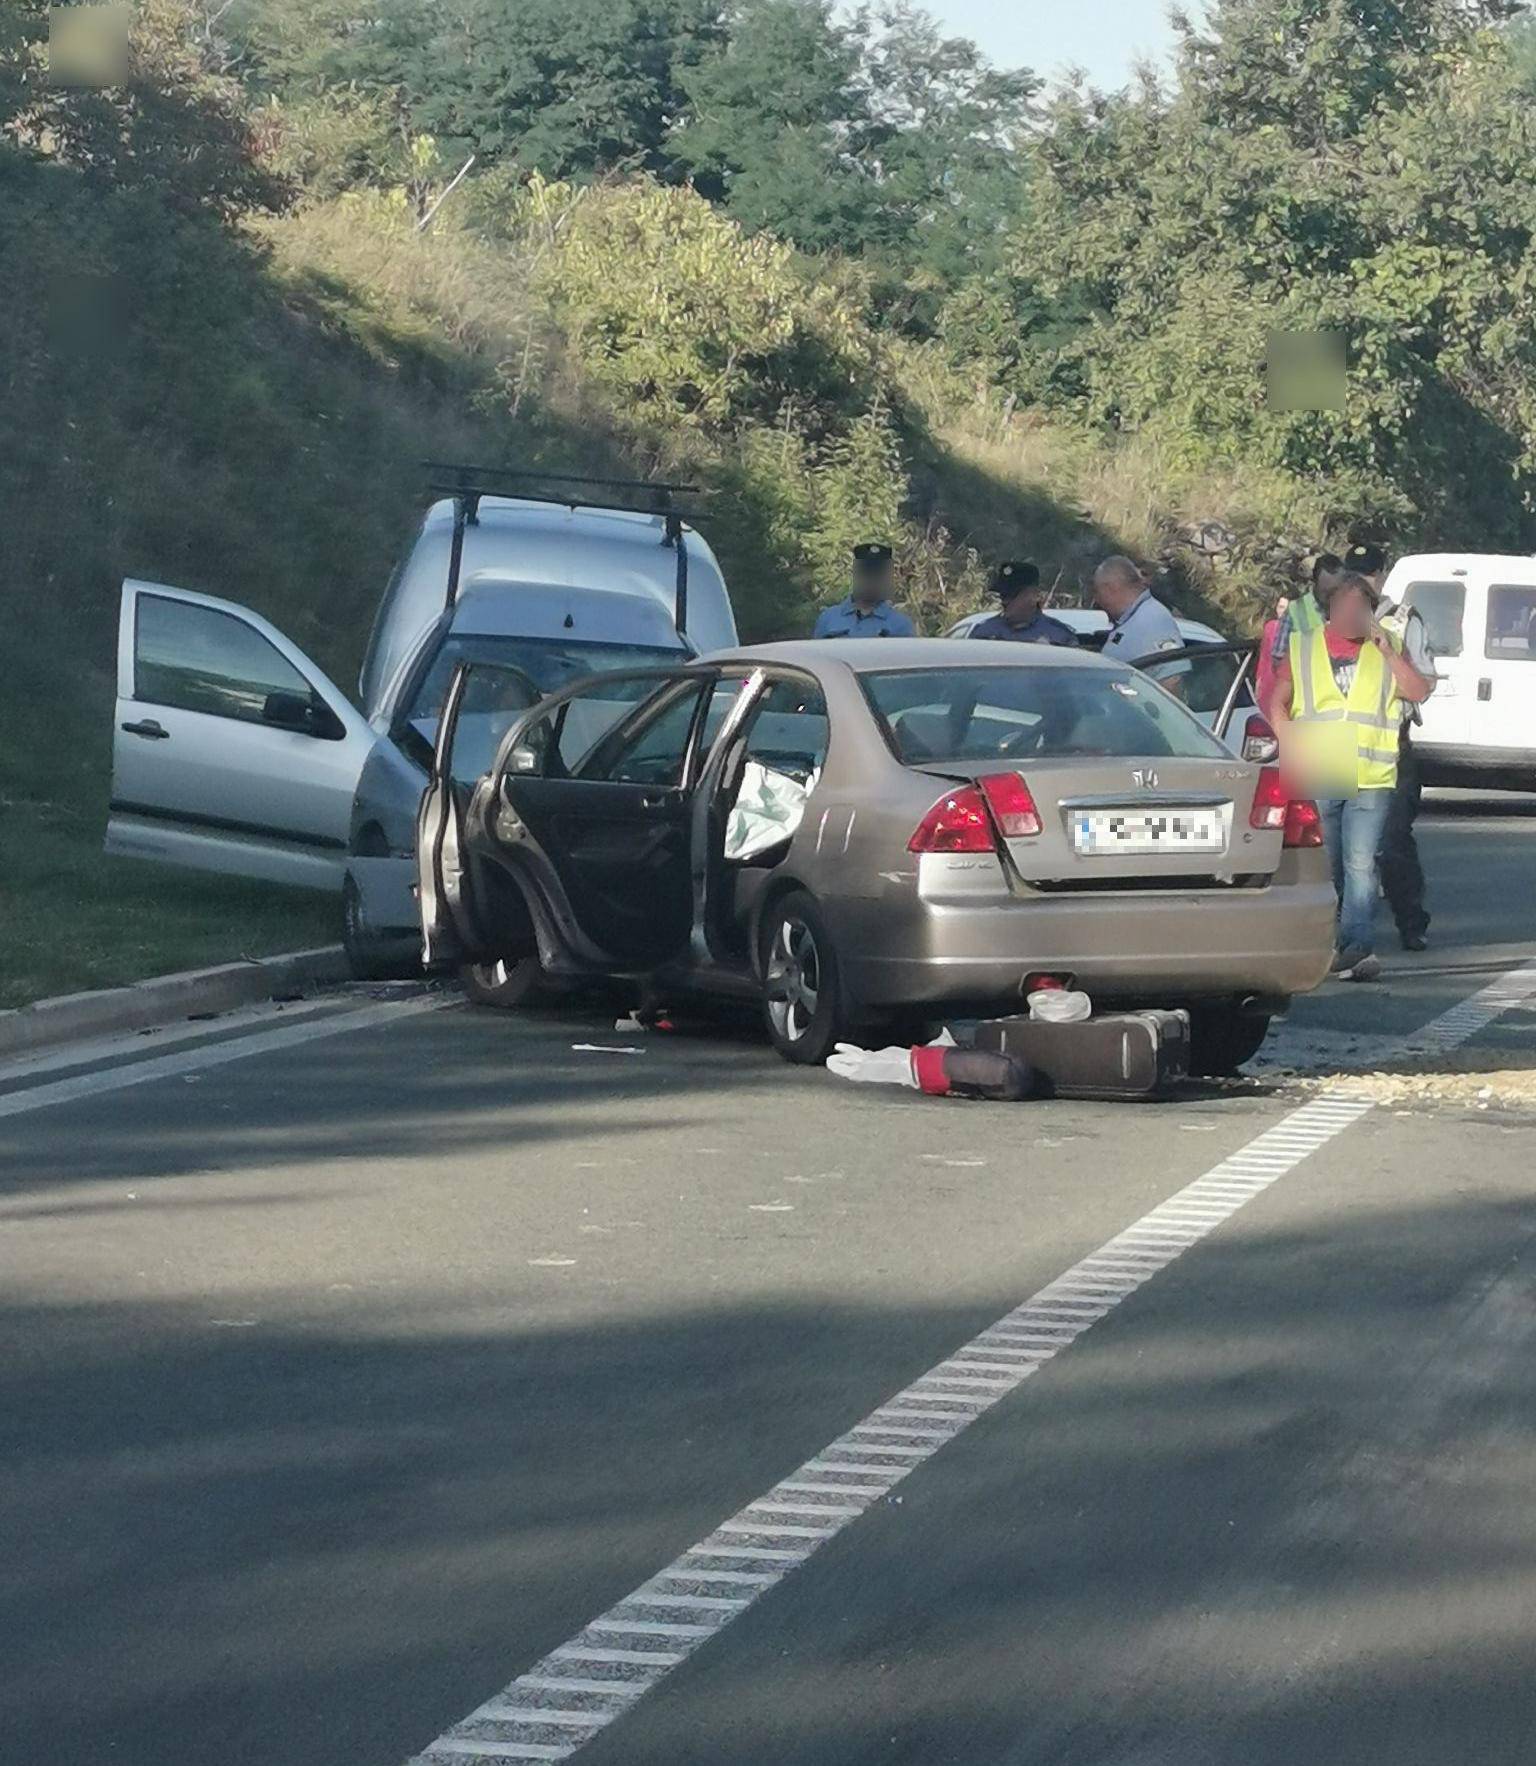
(1140, 626)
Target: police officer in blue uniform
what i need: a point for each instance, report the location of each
(867, 612)
(1023, 619)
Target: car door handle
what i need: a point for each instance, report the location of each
(1485, 690)
(147, 726)
(655, 799)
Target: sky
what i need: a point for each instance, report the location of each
(1103, 36)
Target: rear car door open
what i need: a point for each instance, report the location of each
(598, 782)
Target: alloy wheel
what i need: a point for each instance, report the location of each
(793, 981)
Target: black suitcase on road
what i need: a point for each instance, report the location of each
(1121, 1055)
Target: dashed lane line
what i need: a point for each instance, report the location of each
(575, 1691)
(219, 1054)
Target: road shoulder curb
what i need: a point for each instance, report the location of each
(147, 1005)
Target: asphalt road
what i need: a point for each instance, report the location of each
(347, 1372)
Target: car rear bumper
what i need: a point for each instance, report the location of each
(1142, 948)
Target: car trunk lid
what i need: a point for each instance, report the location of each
(1135, 823)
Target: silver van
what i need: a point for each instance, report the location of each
(232, 751)
(1479, 611)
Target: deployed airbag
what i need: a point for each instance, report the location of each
(768, 810)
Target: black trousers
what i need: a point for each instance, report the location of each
(1402, 875)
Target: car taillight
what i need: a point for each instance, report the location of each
(1012, 805)
(1271, 800)
(1303, 824)
(1260, 743)
(1274, 807)
(958, 822)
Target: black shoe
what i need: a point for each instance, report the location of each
(1415, 941)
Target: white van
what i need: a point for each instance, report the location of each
(1479, 609)
(233, 752)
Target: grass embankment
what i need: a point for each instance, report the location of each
(178, 406)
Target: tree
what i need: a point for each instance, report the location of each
(948, 142)
(777, 119)
(1350, 164)
(175, 129)
(879, 135)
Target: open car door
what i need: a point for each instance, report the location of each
(1216, 683)
(483, 702)
(231, 750)
(594, 793)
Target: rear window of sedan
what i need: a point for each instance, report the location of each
(1000, 713)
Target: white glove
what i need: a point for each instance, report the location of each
(873, 1066)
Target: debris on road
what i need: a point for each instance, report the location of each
(940, 1069)
(1452, 1083)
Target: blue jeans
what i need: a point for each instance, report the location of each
(1353, 827)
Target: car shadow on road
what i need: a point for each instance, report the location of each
(533, 1084)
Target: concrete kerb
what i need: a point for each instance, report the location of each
(146, 1005)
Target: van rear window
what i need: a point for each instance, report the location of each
(1440, 606)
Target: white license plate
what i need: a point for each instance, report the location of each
(1102, 833)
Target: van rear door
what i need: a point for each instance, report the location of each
(231, 751)
(1503, 708)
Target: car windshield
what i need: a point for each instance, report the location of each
(1000, 713)
(542, 665)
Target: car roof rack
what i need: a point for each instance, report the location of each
(566, 490)
(467, 484)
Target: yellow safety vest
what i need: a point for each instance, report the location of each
(1344, 744)
(1304, 613)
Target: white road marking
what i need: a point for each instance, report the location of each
(219, 1054)
(89, 1053)
(1052, 1315)
(574, 1683)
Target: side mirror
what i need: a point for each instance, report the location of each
(305, 713)
(290, 711)
(523, 759)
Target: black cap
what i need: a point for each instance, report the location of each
(1016, 574)
(871, 552)
(1365, 559)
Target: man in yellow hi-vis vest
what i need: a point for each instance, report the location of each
(1337, 705)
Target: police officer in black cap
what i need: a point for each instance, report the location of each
(867, 612)
(1023, 619)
